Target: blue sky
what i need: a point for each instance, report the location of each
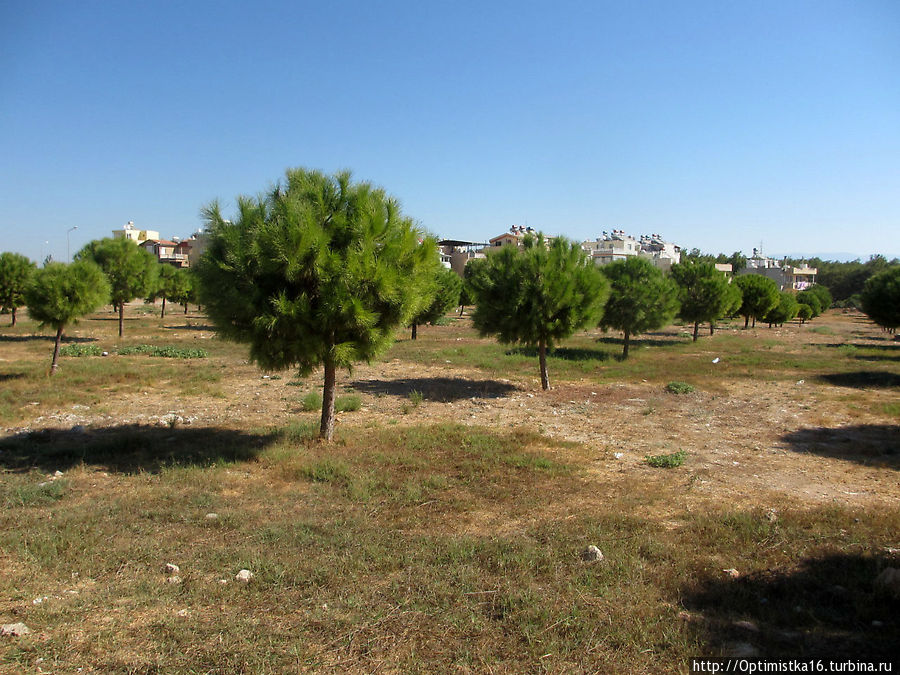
(717, 124)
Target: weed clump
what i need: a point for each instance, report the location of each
(80, 350)
(669, 461)
(164, 352)
(679, 388)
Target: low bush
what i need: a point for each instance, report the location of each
(164, 352)
(679, 388)
(80, 350)
(666, 461)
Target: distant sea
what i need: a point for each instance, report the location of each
(839, 257)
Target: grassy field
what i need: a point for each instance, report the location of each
(443, 530)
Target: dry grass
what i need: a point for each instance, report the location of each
(448, 539)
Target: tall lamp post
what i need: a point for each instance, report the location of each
(68, 255)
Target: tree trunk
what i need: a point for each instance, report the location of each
(696, 330)
(625, 348)
(13, 317)
(542, 357)
(185, 308)
(162, 314)
(414, 331)
(121, 318)
(462, 308)
(54, 364)
(754, 322)
(712, 328)
(326, 429)
(746, 321)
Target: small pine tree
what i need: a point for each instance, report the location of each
(703, 293)
(58, 295)
(759, 296)
(15, 272)
(130, 269)
(784, 311)
(880, 299)
(319, 271)
(536, 296)
(640, 298)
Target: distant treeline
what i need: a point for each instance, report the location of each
(844, 279)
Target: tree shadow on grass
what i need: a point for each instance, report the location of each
(863, 379)
(6, 377)
(128, 449)
(638, 342)
(44, 338)
(823, 608)
(566, 353)
(441, 389)
(189, 326)
(877, 444)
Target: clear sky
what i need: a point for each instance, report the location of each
(717, 124)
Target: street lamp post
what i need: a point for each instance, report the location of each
(68, 255)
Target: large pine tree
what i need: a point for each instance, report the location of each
(319, 271)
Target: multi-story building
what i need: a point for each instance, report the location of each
(131, 232)
(617, 245)
(788, 277)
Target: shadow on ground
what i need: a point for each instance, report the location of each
(190, 326)
(863, 379)
(864, 443)
(638, 342)
(44, 338)
(128, 449)
(567, 353)
(825, 607)
(436, 388)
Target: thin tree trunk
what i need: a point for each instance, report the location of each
(326, 429)
(542, 357)
(121, 318)
(625, 348)
(754, 322)
(162, 314)
(185, 308)
(414, 331)
(712, 328)
(54, 365)
(13, 317)
(696, 330)
(746, 321)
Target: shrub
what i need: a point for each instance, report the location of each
(679, 388)
(666, 461)
(80, 350)
(312, 401)
(165, 352)
(347, 403)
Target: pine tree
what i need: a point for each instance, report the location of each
(703, 293)
(58, 295)
(640, 298)
(446, 290)
(319, 271)
(759, 295)
(15, 272)
(536, 296)
(880, 299)
(130, 269)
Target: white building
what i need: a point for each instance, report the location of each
(788, 277)
(617, 245)
(131, 232)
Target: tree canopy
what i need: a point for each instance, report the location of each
(130, 269)
(318, 271)
(880, 299)
(536, 295)
(59, 294)
(759, 296)
(786, 309)
(15, 272)
(172, 283)
(703, 293)
(640, 299)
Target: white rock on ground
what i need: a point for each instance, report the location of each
(173, 580)
(244, 576)
(172, 568)
(212, 516)
(14, 629)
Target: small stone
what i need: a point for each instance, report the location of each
(223, 582)
(731, 572)
(592, 554)
(171, 568)
(182, 612)
(244, 576)
(212, 516)
(104, 354)
(38, 601)
(618, 455)
(58, 474)
(747, 625)
(173, 580)
(772, 515)
(14, 629)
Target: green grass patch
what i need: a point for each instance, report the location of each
(669, 461)
(80, 350)
(679, 388)
(169, 352)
